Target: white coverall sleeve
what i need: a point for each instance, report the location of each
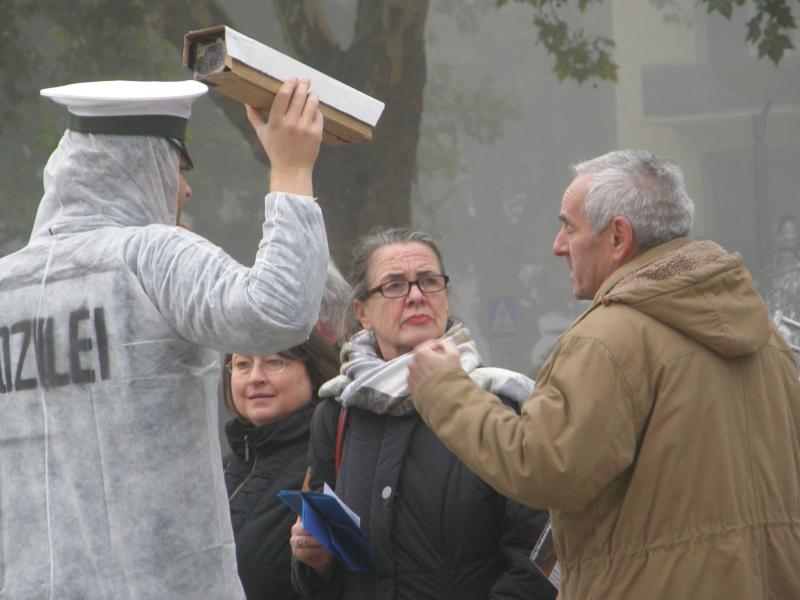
(210, 299)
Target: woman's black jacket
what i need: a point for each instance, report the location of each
(437, 531)
(265, 460)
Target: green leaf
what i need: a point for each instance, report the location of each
(753, 30)
(577, 56)
(724, 7)
(774, 45)
(780, 13)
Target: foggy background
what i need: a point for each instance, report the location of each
(497, 136)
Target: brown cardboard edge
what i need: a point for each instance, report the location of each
(341, 128)
(345, 126)
(199, 34)
(241, 90)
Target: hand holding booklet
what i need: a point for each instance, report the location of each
(328, 520)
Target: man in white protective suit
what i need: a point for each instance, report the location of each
(110, 321)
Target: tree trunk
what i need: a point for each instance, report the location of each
(370, 183)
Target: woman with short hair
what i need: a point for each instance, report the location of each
(436, 530)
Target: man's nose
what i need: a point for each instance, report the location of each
(560, 246)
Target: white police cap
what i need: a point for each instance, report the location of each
(157, 108)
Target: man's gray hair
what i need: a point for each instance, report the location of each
(335, 307)
(645, 188)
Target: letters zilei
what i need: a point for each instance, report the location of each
(79, 356)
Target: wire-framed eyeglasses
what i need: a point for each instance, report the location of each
(242, 366)
(427, 284)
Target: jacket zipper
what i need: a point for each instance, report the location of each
(252, 469)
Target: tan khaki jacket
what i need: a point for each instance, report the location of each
(662, 435)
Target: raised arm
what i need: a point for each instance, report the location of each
(291, 136)
(209, 298)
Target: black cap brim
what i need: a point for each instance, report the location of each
(181, 146)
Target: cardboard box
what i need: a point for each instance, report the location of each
(251, 72)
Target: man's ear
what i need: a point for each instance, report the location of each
(623, 239)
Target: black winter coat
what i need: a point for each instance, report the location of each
(437, 530)
(265, 460)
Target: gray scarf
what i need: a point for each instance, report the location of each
(379, 386)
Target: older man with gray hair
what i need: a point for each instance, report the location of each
(664, 431)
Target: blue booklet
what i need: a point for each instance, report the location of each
(328, 520)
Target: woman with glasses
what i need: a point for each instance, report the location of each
(436, 530)
(272, 398)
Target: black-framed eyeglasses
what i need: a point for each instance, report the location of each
(243, 366)
(427, 284)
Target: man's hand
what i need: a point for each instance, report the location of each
(431, 356)
(291, 137)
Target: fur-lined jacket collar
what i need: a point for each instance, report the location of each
(697, 288)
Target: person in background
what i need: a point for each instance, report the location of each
(272, 398)
(783, 282)
(112, 320)
(334, 315)
(786, 255)
(436, 529)
(664, 432)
